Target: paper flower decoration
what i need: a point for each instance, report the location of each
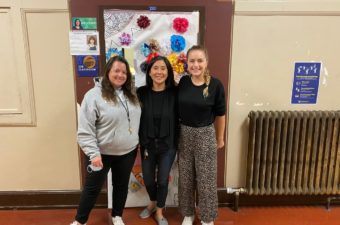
(143, 22)
(143, 66)
(177, 43)
(145, 49)
(177, 63)
(113, 52)
(180, 24)
(154, 45)
(151, 56)
(182, 58)
(125, 39)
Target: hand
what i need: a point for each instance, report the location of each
(177, 77)
(97, 161)
(220, 144)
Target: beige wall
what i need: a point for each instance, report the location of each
(37, 104)
(268, 37)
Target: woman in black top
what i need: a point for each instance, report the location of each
(201, 102)
(157, 133)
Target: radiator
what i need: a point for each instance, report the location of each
(293, 152)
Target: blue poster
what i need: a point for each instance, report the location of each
(306, 82)
(87, 65)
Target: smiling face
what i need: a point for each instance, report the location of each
(118, 74)
(197, 63)
(159, 73)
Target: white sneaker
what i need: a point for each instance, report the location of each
(76, 223)
(210, 223)
(117, 220)
(188, 220)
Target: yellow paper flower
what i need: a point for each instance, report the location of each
(177, 65)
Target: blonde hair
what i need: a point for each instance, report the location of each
(206, 75)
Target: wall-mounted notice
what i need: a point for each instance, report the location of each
(81, 23)
(306, 82)
(84, 43)
(87, 65)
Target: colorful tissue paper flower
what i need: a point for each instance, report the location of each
(182, 58)
(125, 39)
(143, 22)
(177, 65)
(151, 56)
(113, 52)
(180, 24)
(145, 49)
(143, 66)
(177, 43)
(154, 45)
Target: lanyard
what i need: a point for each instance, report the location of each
(126, 107)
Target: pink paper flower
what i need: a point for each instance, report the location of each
(125, 39)
(143, 22)
(180, 24)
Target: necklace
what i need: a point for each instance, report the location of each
(126, 107)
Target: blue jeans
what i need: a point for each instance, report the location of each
(157, 187)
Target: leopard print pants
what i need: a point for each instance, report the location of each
(198, 171)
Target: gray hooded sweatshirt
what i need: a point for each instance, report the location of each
(104, 127)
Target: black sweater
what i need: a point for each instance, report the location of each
(158, 125)
(194, 109)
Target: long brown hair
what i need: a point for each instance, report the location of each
(108, 91)
(206, 75)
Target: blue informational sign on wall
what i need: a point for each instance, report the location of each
(87, 65)
(306, 82)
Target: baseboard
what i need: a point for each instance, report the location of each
(70, 199)
(45, 199)
(245, 200)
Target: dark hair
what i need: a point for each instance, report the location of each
(206, 75)
(169, 82)
(108, 91)
(75, 22)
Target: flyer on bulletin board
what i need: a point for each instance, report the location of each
(306, 82)
(84, 42)
(84, 23)
(87, 65)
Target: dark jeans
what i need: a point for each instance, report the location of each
(157, 188)
(121, 167)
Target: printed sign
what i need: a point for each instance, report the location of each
(306, 82)
(87, 65)
(79, 23)
(84, 43)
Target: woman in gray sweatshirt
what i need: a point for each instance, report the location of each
(108, 135)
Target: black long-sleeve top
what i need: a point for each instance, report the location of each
(158, 125)
(195, 110)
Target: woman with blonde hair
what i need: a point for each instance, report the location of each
(201, 103)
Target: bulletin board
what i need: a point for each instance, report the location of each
(146, 33)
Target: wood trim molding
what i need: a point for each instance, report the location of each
(45, 199)
(70, 199)
(245, 200)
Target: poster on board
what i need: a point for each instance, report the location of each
(84, 42)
